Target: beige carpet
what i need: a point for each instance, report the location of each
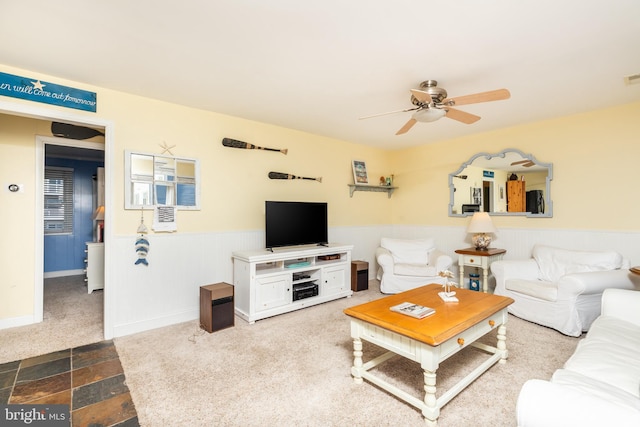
(71, 318)
(294, 369)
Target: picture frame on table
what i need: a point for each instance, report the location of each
(360, 176)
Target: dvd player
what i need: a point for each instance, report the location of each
(304, 290)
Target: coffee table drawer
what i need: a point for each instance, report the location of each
(472, 334)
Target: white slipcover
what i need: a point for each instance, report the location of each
(561, 288)
(409, 263)
(600, 383)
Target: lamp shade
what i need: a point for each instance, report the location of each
(481, 223)
(99, 214)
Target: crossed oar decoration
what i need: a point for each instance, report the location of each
(234, 143)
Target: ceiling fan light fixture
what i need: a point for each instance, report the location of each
(429, 114)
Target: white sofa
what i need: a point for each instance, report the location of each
(600, 383)
(409, 263)
(561, 288)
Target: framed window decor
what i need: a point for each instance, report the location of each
(359, 172)
(152, 179)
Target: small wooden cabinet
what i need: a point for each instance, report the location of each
(216, 307)
(359, 276)
(516, 196)
(472, 257)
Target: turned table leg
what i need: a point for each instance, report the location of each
(485, 279)
(431, 412)
(502, 343)
(357, 361)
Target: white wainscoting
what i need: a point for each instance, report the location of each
(520, 241)
(167, 291)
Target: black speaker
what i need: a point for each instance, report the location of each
(222, 313)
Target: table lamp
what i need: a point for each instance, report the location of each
(98, 216)
(480, 225)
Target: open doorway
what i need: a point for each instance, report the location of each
(35, 275)
(487, 199)
(73, 255)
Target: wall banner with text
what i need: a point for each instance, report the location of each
(48, 93)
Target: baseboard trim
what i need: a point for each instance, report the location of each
(62, 273)
(160, 322)
(13, 322)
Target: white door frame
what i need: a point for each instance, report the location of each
(38, 112)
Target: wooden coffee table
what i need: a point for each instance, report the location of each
(428, 341)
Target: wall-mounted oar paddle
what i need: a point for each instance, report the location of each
(234, 143)
(282, 175)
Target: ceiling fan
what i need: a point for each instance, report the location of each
(431, 103)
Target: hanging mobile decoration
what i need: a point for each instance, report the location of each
(282, 175)
(142, 244)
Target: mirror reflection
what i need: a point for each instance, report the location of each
(160, 180)
(506, 183)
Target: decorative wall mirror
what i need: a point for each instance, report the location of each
(506, 183)
(153, 179)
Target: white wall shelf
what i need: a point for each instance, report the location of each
(379, 188)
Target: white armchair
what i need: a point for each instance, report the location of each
(561, 288)
(409, 263)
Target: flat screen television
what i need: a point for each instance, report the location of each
(295, 223)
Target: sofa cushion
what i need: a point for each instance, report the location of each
(596, 388)
(611, 330)
(406, 251)
(414, 270)
(534, 288)
(555, 262)
(609, 354)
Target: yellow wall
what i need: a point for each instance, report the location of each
(594, 158)
(234, 182)
(17, 166)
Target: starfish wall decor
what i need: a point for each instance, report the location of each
(166, 148)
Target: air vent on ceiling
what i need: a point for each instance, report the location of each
(633, 79)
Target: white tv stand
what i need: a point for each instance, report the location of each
(266, 283)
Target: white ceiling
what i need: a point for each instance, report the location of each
(317, 66)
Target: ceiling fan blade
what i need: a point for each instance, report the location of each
(389, 112)
(461, 116)
(422, 96)
(492, 95)
(525, 163)
(407, 126)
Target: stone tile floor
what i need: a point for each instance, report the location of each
(89, 379)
